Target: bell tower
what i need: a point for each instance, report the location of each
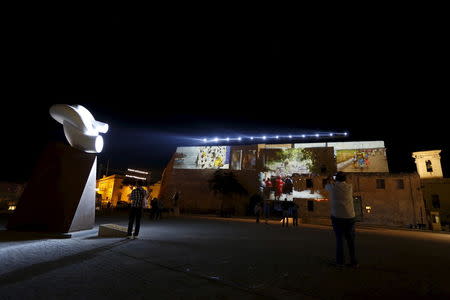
(428, 164)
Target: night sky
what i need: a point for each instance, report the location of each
(158, 84)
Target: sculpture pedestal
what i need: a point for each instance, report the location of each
(60, 196)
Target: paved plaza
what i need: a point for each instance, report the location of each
(212, 258)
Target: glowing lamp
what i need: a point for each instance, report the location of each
(80, 128)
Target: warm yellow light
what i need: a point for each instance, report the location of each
(12, 207)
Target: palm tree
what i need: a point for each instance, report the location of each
(226, 185)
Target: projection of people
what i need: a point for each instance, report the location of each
(80, 127)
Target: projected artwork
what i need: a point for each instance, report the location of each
(285, 167)
(286, 162)
(363, 156)
(207, 157)
(362, 160)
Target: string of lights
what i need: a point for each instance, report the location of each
(274, 137)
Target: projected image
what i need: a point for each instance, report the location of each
(207, 157)
(285, 162)
(249, 160)
(236, 159)
(362, 160)
(284, 169)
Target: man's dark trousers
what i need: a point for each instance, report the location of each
(344, 228)
(135, 213)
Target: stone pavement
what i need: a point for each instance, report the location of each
(199, 258)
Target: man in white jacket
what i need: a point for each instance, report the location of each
(342, 217)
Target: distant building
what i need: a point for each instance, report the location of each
(393, 199)
(380, 197)
(112, 189)
(155, 190)
(9, 195)
(435, 188)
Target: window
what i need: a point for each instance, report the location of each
(380, 184)
(429, 166)
(435, 202)
(400, 184)
(310, 205)
(309, 183)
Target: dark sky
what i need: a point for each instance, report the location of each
(158, 82)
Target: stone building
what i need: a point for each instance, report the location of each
(112, 189)
(435, 188)
(380, 197)
(9, 195)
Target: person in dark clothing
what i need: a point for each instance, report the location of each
(138, 198)
(294, 210)
(288, 186)
(258, 210)
(285, 207)
(154, 210)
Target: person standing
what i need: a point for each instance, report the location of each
(285, 207)
(268, 188)
(278, 188)
(138, 198)
(288, 186)
(154, 208)
(294, 214)
(342, 217)
(258, 211)
(175, 203)
(266, 210)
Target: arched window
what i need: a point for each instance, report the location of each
(429, 166)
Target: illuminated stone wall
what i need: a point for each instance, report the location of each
(428, 164)
(112, 189)
(399, 203)
(438, 189)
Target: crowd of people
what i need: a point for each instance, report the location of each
(278, 185)
(287, 209)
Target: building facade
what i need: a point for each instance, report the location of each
(111, 189)
(9, 195)
(435, 188)
(380, 197)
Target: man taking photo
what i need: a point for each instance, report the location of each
(342, 217)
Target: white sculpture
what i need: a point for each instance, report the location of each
(80, 127)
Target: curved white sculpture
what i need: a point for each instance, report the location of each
(80, 127)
